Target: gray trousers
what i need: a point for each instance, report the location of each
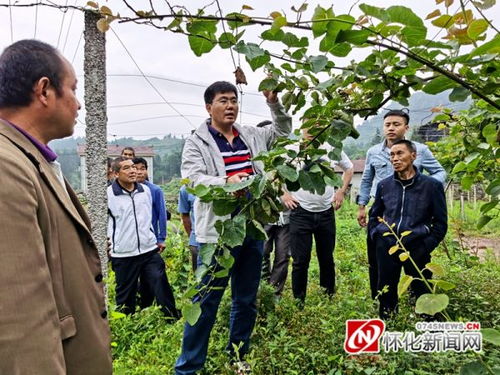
(279, 240)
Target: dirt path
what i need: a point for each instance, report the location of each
(483, 247)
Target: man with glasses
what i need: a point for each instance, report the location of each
(378, 166)
(220, 152)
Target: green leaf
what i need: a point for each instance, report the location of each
(405, 233)
(318, 63)
(356, 37)
(387, 234)
(268, 84)
(319, 27)
(376, 12)
(431, 304)
(403, 15)
(191, 312)
(275, 35)
(459, 94)
(342, 22)
(476, 28)
(202, 27)
(493, 46)
(288, 172)
(490, 133)
(226, 260)
(473, 368)
(224, 206)
(445, 285)
(340, 49)
(445, 21)
(201, 190)
(207, 252)
(483, 220)
(404, 283)
(491, 335)
(259, 61)
(256, 230)
(291, 40)
(493, 188)
(226, 40)
(279, 22)
(200, 44)
(439, 84)
(461, 166)
(414, 35)
(233, 231)
(466, 182)
(485, 207)
(241, 20)
(305, 181)
(436, 269)
(222, 273)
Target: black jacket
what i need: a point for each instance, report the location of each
(419, 207)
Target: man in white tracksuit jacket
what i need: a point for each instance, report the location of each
(134, 249)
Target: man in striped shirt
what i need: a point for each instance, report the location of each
(219, 153)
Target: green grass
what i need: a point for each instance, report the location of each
(290, 341)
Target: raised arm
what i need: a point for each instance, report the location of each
(432, 166)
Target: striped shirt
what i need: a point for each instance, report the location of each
(236, 156)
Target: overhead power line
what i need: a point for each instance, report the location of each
(161, 78)
(148, 80)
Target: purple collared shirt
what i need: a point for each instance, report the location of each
(45, 150)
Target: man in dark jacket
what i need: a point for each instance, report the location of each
(414, 203)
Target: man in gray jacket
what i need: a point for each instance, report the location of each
(218, 153)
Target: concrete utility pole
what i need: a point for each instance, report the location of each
(94, 67)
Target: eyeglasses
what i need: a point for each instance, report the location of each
(224, 101)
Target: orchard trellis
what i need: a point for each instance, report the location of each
(401, 59)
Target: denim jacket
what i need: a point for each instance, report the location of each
(378, 166)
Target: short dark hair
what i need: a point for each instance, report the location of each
(400, 113)
(22, 64)
(140, 161)
(409, 144)
(217, 88)
(116, 163)
(128, 148)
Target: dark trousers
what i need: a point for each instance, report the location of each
(389, 271)
(194, 256)
(303, 226)
(245, 278)
(150, 268)
(279, 240)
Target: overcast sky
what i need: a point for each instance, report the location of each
(134, 108)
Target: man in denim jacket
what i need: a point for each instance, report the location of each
(378, 167)
(414, 205)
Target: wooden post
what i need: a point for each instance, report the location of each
(462, 206)
(474, 196)
(94, 67)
